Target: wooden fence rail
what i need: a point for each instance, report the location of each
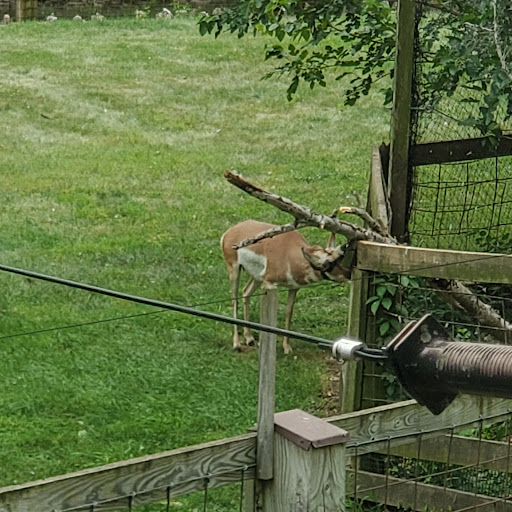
(435, 263)
(153, 478)
(141, 480)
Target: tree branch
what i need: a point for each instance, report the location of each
(488, 317)
(453, 292)
(270, 233)
(304, 215)
(498, 44)
(373, 224)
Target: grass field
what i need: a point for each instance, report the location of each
(113, 140)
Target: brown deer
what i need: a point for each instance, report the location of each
(286, 260)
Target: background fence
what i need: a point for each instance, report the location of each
(39, 9)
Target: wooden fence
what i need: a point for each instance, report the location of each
(26, 10)
(374, 258)
(310, 469)
(22, 10)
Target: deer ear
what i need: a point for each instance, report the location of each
(331, 243)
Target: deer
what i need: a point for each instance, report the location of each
(286, 260)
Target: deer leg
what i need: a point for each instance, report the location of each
(292, 294)
(249, 289)
(234, 279)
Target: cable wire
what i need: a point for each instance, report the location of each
(82, 324)
(167, 305)
(321, 342)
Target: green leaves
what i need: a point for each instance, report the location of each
(387, 304)
(352, 38)
(382, 299)
(464, 47)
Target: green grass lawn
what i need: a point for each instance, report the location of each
(113, 140)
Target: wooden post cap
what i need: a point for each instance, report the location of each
(306, 430)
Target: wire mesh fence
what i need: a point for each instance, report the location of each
(397, 300)
(462, 206)
(229, 497)
(456, 469)
(444, 114)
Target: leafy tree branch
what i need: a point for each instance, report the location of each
(464, 46)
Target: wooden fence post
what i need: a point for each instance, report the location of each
(266, 393)
(266, 403)
(310, 466)
(351, 378)
(400, 119)
(26, 10)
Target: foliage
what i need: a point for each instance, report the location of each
(387, 304)
(181, 8)
(398, 299)
(312, 38)
(391, 311)
(465, 44)
(495, 244)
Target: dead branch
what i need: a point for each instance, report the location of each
(485, 315)
(373, 224)
(304, 215)
(270, 233)
(454, 292)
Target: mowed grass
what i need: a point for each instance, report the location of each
(113, 140)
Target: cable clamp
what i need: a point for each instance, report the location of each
(345, 349)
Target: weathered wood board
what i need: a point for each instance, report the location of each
(443, 264)
(400, 116)
(142, 480)
(410, 494)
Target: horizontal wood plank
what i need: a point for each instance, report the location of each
(419, 496)
(139, 481)
(374, 429)
(436, 263)
(457, 151)
(461, 451)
